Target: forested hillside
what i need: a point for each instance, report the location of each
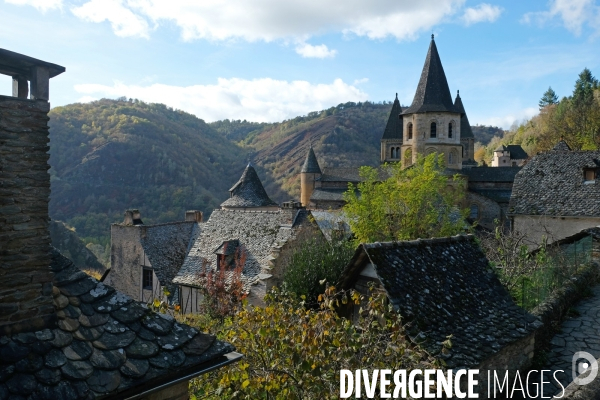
(110, 155)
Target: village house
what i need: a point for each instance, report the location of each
(145, 259)
(556, 194)
(63, 334)
(433, 123)
(444, 289)
(512, 155)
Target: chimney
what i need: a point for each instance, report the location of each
(25, 275)
(132, 217)
(193, 215)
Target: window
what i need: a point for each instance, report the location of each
(450, 158)
(410, 133)
(433, 132)
(450, 130)
(474, 211)
(589, 175)
(147, 278)
(392, 152)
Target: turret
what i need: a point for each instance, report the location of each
(391, 141)
(309, 176)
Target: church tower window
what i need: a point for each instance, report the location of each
(450, 130)
(433, 131)
(410, 131)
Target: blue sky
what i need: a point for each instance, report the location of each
(269, 60)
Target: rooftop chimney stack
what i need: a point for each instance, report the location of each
(194, 215)
(25, 275)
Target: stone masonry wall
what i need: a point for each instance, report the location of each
(553, 228)
(125, 260)
(25, 276)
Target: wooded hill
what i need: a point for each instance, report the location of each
(110, 155)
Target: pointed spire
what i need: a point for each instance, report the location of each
(433, 93)
(311, 165)
(465, 126)
(561, 146)
(393, 129)
(248, 192)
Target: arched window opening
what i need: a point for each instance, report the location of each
(433, 131)
(450, 130)
(474, 211)
(453, 157)
(398, 152)
(393, 152)
(410, 131)
(450, 158)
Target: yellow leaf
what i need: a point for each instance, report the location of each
(245, 384)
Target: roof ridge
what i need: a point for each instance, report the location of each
(416, 242)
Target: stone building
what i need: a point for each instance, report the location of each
(432, 123)
(64, 335)
(556, 194)
(512, 155)
(444, 288)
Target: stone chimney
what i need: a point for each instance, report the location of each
(25, 274)
(194, 215)
(133, 217)
(289, 212)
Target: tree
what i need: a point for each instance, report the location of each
(549, 98)
(417, 202)
(584, 87)
(294, 353)
(316, 261)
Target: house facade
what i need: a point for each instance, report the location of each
(556, 194)
(512, 155)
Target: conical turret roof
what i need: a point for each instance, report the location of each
(393, 129)
(433, 93)
(248, 192)
(465, 126)
(311, 165)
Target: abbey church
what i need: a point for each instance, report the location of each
(432, 123)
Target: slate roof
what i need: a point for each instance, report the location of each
(328, 221)
(465, 127)
(444, 287)
(491, 174)
(498, 195)
(248, 191)
(341, 175)
(552, 183)
(166, 246)
(257, 232)
(105, 345)
(516, 151)
(311, 165)
(328, 194)
(394, 127)
(433, 93)
(561, 146)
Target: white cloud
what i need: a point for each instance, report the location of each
(506, 121)
(122, 20)
(262, 100)
(309, 51)
(41, 5)
(270, 20)
(481, 13)
(573, 13)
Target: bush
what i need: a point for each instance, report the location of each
(315, 263)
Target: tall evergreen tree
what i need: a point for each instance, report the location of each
(548, 98)
(584, 87)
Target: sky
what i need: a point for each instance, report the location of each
(271, 60)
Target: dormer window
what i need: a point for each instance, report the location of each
(589, 175)
(433, 130)
(226, 254)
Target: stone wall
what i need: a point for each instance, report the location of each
(489, 210)
(553, 311)
(554, 228)
(26, 292)
(126, 259)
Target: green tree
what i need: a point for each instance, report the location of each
(549, 98)
(316, 261)
(584, 87)
(417, 202)
(294, 353)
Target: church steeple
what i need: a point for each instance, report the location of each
(311, 165)
(393, 129)
(433, 93)
(465, 128)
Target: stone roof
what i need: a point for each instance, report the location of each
(341, 175)
(394, 127)
(330, 221)
(515, 150)
(561, 146)
(491, 174)
(311, 165)
(465, 127)
(105, 345)
(445, 287)
(248, 192)
(328, 194)
(552, 183)
(256, 231)
(498, 195)
(433, 93)
(166, 246)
